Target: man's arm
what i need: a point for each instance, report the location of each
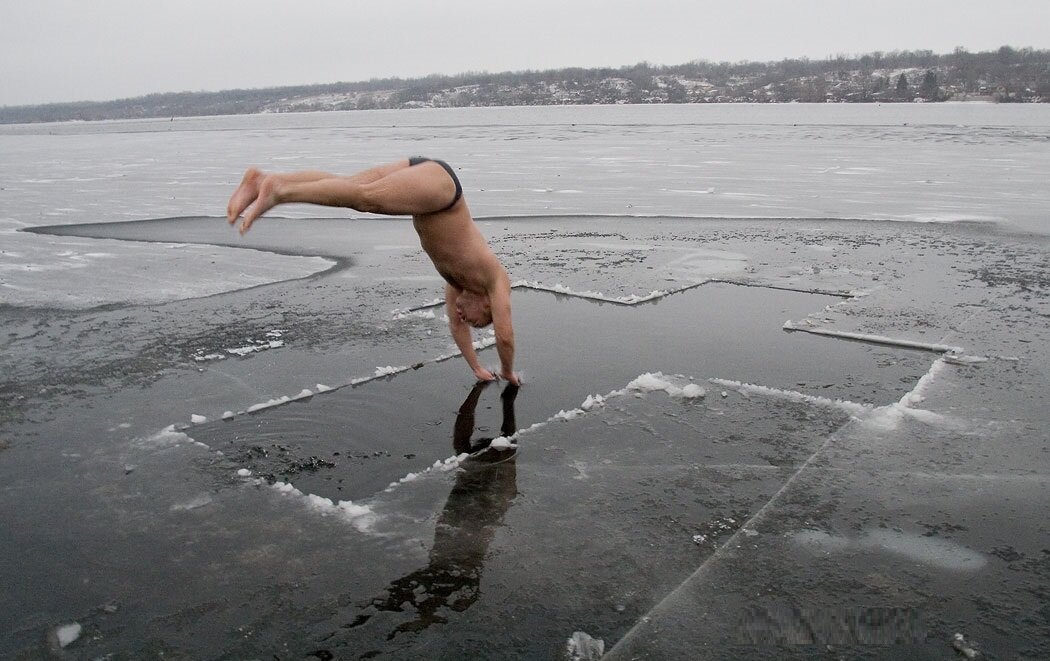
(499, 303)
(460, 331)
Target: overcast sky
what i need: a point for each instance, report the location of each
(71, 50)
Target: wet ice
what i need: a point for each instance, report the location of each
(955, 463)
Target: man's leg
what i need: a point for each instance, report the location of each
(395, 189)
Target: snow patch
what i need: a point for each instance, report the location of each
(571, 414)
(268, 404)
(852, 408)
(593, 402)
(501, 443)
(360, 516)
(559, 288)
(582, 647)
(167, 436)
(419, 314)
(655, 381)
(875, 339)
(67, 634)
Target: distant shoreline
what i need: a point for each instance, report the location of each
(1006, 75)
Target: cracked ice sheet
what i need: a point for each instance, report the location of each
(977, 282)
(853, 558)
(931, 524)
(75, 273)
(590, 472)
(366, 425)
(960, 433)
(598, 517)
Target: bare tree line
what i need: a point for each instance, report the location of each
(1004, 75)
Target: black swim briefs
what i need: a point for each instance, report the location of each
(416, 160)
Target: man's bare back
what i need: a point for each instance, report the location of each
(478, 287)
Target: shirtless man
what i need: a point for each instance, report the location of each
(477, 292)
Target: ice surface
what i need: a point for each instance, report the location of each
(644, 383)
(915, 548)
(887, 417)
(193, 503)
(953, 467)
(852, 408)
(56, 271)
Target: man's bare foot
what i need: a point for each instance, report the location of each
(244, 195)
(265, 200)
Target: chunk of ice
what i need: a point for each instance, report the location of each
(501, 443)
(582, 647)
(567, 415)
(66, 634)
(963, 647)
(592, 402)
(653, 381)
(692, 391)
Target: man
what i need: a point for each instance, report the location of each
(477, 292)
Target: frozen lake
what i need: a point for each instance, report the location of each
(938, 163)
(785, 376)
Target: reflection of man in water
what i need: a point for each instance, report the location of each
(477, 292)
(484, 489)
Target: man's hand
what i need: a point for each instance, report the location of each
(483, 374)
(511, 378)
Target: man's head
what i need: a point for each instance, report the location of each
(474, 309)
